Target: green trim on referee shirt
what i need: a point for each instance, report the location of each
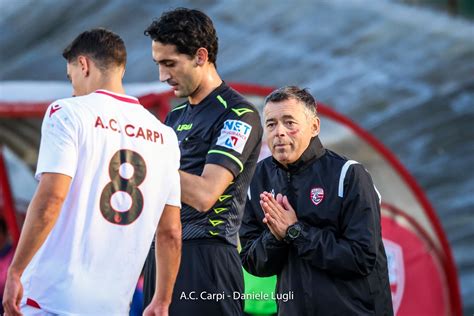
(224, 197)
(242, 111)
(216, 222)
(179, 107)
(213, 151)
(218, 210)
(221, 100)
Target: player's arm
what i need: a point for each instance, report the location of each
(168, 257)
(201, 192)
(41, 216)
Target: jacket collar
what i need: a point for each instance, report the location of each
(314, 151)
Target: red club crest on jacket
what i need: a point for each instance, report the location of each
(317, 195)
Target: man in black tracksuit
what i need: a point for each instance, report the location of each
(313, 218)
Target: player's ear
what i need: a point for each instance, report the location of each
(201, 56)
(84, 63)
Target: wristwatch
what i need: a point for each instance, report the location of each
(292, 232)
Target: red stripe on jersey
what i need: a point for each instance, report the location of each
(32, 303)
(118, 97)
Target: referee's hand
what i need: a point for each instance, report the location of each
(12, 295)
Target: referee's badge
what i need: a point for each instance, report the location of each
(317, 195)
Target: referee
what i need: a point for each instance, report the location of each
(220, 136)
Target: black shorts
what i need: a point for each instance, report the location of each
(208, 283)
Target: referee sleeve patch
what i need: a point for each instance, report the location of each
(234, 135)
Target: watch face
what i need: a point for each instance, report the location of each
(294, 231)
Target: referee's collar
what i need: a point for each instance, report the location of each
(214, 93)
(118, 96)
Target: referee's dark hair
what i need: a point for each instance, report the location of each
(104, 47)
(188, 30)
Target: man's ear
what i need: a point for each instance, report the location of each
(85, 65)
(315, 126)
(202, 56)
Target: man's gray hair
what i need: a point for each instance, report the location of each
(300, 95)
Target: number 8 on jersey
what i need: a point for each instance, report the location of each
(119, 183)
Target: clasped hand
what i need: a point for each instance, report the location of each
(279, 214)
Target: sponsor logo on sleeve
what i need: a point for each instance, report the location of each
(54, 109)
(317, 195)
(234, 135)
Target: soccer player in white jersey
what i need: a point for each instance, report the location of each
(108, 179)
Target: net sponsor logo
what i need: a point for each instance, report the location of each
(234, 135)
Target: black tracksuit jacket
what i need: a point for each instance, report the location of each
(338, 265)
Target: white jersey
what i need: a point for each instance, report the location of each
(124, 167)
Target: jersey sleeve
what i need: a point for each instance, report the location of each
(174, 197)
(236, 137)
(59, 142)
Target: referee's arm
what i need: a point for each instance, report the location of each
(201, 192)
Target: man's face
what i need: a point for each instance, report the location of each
(75, 75)
(288, 129)
(180, 71)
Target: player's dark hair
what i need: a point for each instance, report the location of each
(294, 92)
(188, 30)
(104, 47)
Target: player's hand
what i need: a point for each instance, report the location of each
(156, 309)
(279, 214)
(12, 295)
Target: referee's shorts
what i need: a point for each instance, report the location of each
(209, 280)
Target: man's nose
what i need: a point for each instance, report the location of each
(280, 130)
(164, 74)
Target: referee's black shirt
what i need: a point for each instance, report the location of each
(223, 129)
